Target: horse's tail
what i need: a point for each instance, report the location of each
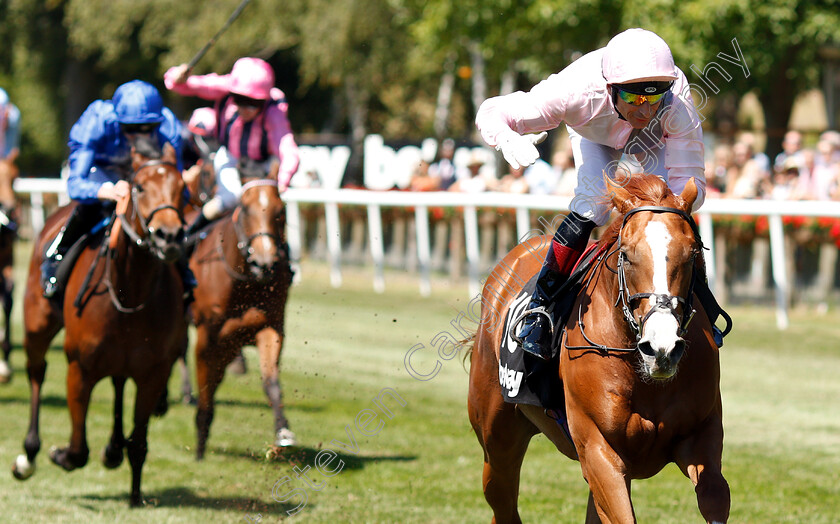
(468, 345)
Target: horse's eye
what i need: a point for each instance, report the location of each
(138, 188)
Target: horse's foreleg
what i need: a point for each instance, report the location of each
(7, 291)
(186, 384)
(36, 368)
(148, 394)
(209, 373)
(112, 455)
(78, 399)
(591, 511)
(699, 458)
(270, 344)
(604, 470)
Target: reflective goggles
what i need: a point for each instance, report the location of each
(637, 100)
(138, 129)
(244, 101)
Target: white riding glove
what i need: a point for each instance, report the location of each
(520, 150)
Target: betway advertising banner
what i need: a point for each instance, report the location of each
(384, 166)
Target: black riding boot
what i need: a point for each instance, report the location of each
(78, 223)
(542, 318)
(197, 225)
(187, 279)
(711, 306)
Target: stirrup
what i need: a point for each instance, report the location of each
(540, 310)
(717, 335)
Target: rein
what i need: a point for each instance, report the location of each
(142, 242)
(243, 240)
(662, 302)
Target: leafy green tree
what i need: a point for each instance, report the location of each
(780, 41)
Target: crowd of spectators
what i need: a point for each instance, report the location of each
(557, 177)
(735, 170)
(797, 173)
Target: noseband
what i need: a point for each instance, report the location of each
(661, 302)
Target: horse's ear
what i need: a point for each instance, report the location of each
(689, 194)
(620, 197)
(169, 153)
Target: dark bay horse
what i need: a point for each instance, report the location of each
(8, 234)
(640, 377)
(242, 269)
(122, 311)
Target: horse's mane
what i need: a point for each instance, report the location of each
(645, 190)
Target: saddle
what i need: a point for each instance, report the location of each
(524, 378)
(68, 260)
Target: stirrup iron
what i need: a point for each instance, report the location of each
(540, 310)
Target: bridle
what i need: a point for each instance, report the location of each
(243, 240)
(144, 241)
(661, 302)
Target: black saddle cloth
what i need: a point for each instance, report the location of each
(526, 379)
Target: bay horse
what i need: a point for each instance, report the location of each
(640, 378)
(122, 312)
(8, 235)
(243, 274)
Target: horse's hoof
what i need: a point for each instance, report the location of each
(189, 400)
(285, 438)
(22, 469)
(112, 458)
(136, 501)
(67, 460)
(5, 372)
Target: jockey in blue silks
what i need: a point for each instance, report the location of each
(100, 161)
(9, 127)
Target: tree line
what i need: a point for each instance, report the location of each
(400, 68)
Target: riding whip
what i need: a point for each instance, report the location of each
(212, 41)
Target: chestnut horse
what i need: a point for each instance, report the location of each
(8, 234)
(122, 311)
(640, 377)
(242, 269)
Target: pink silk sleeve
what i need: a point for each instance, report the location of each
(208, 87)
(281, 142)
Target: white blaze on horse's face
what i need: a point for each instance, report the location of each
(660, 332)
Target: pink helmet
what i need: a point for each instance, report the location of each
(637, 55)
(203, 121)
(252, 77)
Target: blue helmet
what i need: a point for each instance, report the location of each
(138, 102)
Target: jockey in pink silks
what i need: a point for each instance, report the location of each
(627, 98)
(252, 128)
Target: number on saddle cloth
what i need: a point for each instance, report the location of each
(523, 378)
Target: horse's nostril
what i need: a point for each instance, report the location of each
(646, 348)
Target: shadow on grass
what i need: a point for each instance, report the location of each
(180, 497)
(55, 401)
(302, 455)
(292, 406)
